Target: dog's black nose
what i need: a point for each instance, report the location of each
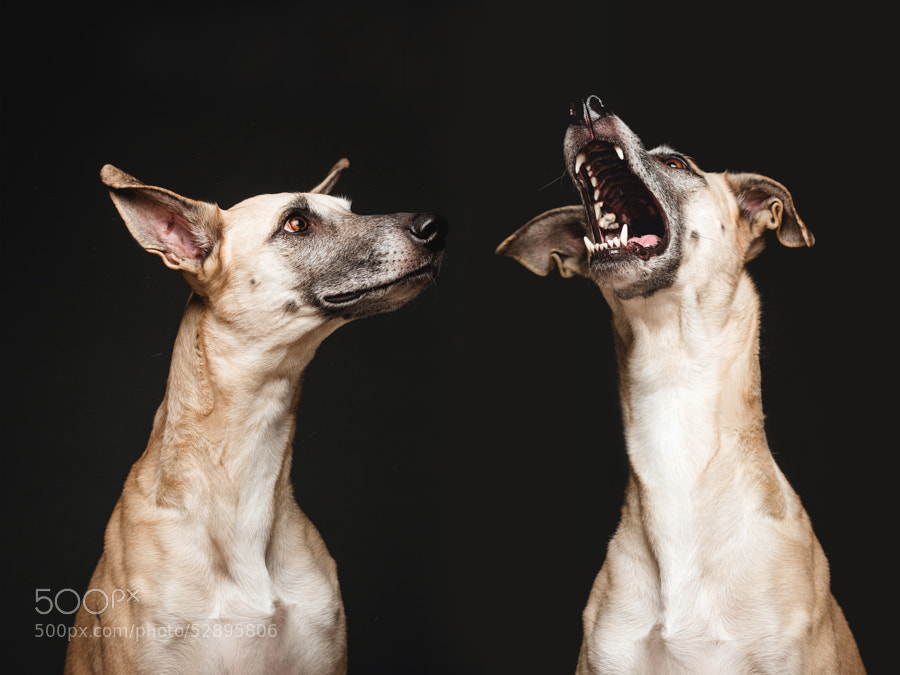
(595, 105)
(587, 110)
(429, 228)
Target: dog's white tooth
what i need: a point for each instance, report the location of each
(598, 213)
(589, 244)
(579, 160)
(624, 233)
(619, 152)
(597, 194)
(616, 242)
(594, 181)
(607, 220)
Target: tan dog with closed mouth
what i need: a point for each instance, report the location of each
(714, 567)
(224, 573)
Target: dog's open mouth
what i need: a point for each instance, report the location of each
(421, 275)
(624, 216)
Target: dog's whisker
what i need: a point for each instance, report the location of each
(555, 180)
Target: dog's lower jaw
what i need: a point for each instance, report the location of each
(222, 444)
(637, 279)
(385, 297)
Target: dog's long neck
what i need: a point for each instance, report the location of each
(690, 388)
(689, 373)
(221, 444)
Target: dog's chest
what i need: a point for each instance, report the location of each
(281, 621)
(235, 609)
(294, 640)
(637, 634)
(296, 629)
(686, 655)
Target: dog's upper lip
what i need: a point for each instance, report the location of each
(625, 217)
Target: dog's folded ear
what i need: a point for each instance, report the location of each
(327, 185)
(552, 239)
(766, 204)
(181, 231)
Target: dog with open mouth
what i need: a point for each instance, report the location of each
(714, 567)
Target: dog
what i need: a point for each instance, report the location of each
(714, 567)
(223, 571)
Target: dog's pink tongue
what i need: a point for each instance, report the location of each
(646, 241)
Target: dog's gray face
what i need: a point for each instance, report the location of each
(649, 217)
(280, 265)
(348, 266)
(634, 200)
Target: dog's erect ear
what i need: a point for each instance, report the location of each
(554, 238)
(179, 230)
(327, 185)
(767, 205)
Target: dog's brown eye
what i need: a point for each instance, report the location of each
(296, 224)
(675, 163)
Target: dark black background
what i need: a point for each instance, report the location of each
(462, 456)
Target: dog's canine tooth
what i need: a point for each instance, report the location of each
(589, 244)
(619, 152)
(624, 233)
(598, 214)
(579, 161)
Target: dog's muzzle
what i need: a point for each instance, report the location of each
(625, 218)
